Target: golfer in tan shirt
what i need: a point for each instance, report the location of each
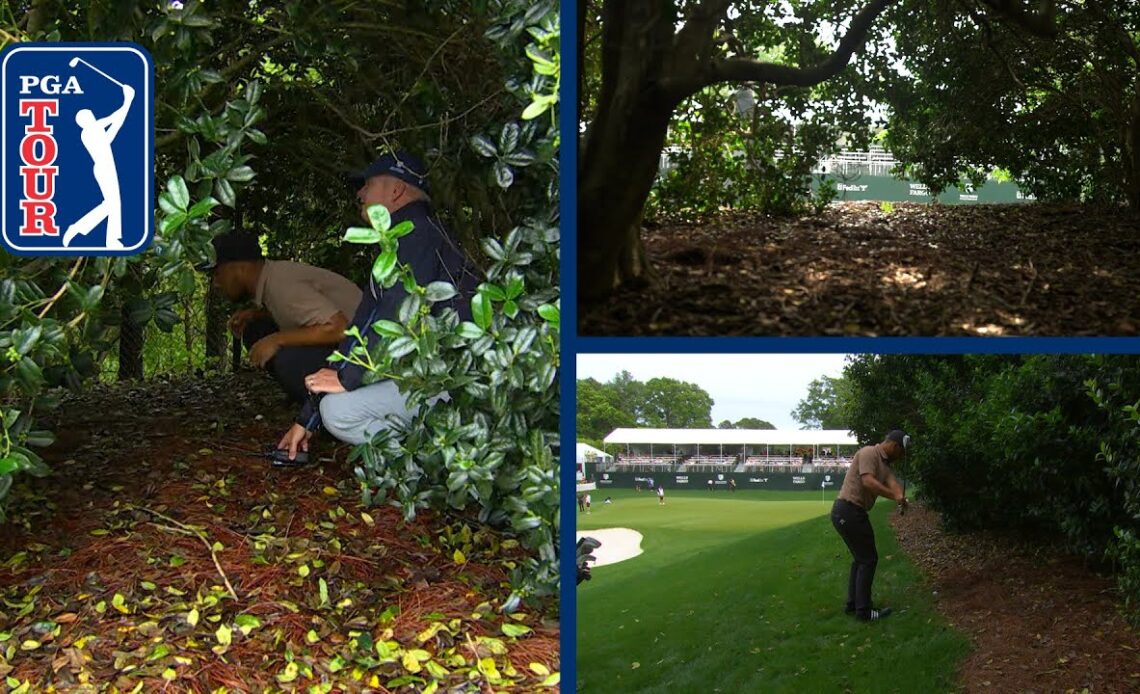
(868, 478)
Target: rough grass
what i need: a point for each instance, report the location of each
(745, 592)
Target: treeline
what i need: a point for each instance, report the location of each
(666, 403)
(1046, 445)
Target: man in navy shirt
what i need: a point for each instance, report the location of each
(349, 410)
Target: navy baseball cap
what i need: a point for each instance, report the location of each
(232, 246)
(900, 437)
(401, 164)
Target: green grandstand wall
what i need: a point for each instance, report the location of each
(888, 188)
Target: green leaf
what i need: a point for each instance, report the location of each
(8, 465)
(383, 268)
(550, 313)
(439, 291)
(535, 109)
(379, 217)
(481, 310)
(224, 635)
(241, 174)
(504, 176)
(510, 308)
(362, 235)
(203, 207)
(246, 623)
(523, 157)
(324, 591)
(402, 346)
(25, 340)
(224, 192)
(388, 328)
(508, 138)
(493, 291)
(469, 330)
(402, 229)
(483, 146)
(515, 630)
(179, 193)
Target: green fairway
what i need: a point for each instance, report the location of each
(744, 592)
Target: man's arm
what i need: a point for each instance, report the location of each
(330, 333)
(881, 489)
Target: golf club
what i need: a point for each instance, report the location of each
(76, 60)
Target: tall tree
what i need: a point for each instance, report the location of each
(753, 423)
(674, 404)
(599, 410)
(824, 405)
(654, 54)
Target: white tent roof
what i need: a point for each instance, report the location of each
(585, 450)
(734, 437)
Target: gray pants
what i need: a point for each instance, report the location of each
(355, 416)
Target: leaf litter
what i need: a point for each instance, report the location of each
(119, 571)
(859, 270)
(1038, 619)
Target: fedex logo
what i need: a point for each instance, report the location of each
(77, 149)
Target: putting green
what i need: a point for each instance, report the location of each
(743, 592)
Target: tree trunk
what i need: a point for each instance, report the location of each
(622, 150)
(1132, 151)
(130, 347)
(215, 327)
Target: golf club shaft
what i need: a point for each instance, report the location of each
(81, 60)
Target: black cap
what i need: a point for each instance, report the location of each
(401, 164)
(232, 246)
(900, 437)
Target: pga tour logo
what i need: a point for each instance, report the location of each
(78, 148)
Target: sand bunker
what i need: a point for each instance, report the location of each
(618, 544)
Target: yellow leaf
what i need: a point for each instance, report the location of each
(169, 674)
(30, 645)
(100, 531)
(635, 665)
(374, 681)
(120, 603)
(487, 667)
(432, 687)
(539, 669)
(411, 664)
(312, 636)
(192, 617)
(553, 680)
(303, 569)
(459, 558)
(329, 491)
(224, 635)
(367, 518)
(289, 673)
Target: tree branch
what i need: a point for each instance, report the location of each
(750, 70)
(1040, 23)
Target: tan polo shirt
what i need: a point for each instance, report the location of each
(299, 295)
(869, 459)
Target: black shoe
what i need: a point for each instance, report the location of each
(876, 615)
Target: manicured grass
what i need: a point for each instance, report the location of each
(744, 592)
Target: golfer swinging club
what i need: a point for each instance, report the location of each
(97, 136)
(868, 477)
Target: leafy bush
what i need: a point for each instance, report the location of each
(1045, 445)
(489, 444)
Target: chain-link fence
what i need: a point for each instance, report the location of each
(197, 343)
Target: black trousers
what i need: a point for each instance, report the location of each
(291, 364)
(853, 525)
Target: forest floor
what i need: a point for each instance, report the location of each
(861, 269)
(158, 556)
(1038, 621)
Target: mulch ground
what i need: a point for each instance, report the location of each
(918, 270)
(116, 570)
(1038, 622)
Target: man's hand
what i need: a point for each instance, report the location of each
(237, 321)
(324, 381)
(297, 438)
(904, 504)
(263, 350)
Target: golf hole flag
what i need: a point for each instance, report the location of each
(78, 148)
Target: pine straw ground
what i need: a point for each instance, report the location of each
(855, 269)
(1038, 621)
(108, 580)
